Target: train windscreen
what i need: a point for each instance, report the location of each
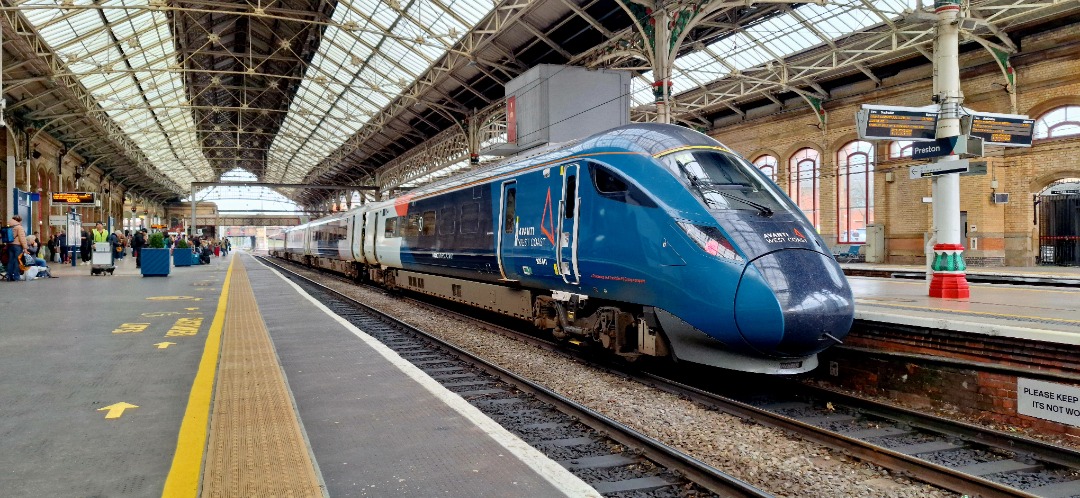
(725, 181)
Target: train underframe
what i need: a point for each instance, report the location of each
(628, 331)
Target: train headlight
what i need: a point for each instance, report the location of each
(711, 240)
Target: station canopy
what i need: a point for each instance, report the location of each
(162, 93)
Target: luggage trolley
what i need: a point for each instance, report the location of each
(101, 260)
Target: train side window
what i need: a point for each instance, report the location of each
(391, 229)
(446, 220)
(510, 211)
(470, 218)
(427, 227)
(412, 226)
(571, 196)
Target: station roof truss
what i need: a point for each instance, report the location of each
(395, 93)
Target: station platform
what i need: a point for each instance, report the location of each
(1062, 276)
(1021, 312)
(227, 380)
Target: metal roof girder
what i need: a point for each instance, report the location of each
(29, 34)
(482, 34)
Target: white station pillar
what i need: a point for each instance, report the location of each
(948, 280)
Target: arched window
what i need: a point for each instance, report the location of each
(804, 170)
(854, 191)
(1059, 122)
(767, 164)
(900, 148)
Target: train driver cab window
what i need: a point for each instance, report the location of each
(611, 186)
(510, 211)
(724, 181)
(427, 225)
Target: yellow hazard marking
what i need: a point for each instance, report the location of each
(130, 328)
(185, 327)
(174, 298)
(183, 479)
(163, 345)
(115, 410)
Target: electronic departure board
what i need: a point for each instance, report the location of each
(897, 123)
(74, 198)
(998, 129)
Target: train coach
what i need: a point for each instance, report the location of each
(646, 239)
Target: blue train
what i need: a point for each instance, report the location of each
(646, 239)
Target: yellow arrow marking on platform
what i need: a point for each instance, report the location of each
(174, 298)
(116, 409)
(163, 345)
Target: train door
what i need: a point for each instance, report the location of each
(505, 235)
(371, 221)
(356, 236)
(566, 254)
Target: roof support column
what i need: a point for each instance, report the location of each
(193, 202)
(663, 60)
(948, 265)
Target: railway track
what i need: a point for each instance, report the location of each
(611, 457)
(960, 457)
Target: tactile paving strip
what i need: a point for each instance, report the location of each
(256, 447)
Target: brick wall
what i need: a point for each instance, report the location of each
(1046, 78)
(952, 372)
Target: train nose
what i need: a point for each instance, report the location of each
(793, 302)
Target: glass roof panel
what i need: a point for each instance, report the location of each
(777, 37)
(130, 79)
(361, 70)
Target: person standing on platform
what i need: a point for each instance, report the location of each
(61, 245)
(51, 246)
(86, 247)
(100, 234)
(137, 243)
(16, 247)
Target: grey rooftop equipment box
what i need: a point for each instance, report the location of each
(552, 104)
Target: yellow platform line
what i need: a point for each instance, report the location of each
(183, 479)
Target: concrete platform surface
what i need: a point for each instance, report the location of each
(97, 372)
(1036, 313)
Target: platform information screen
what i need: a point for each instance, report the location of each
(74, 198)
(1006, 130)
(897, 123)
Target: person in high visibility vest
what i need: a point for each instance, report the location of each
(100, 234)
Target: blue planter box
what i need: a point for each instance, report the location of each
(155, 262)
(182, 256)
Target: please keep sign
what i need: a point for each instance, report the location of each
(1048, 401)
